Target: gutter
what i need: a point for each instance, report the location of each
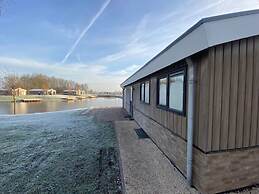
(190, 117)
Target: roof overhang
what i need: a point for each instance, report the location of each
(206, 33)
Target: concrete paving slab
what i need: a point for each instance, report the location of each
(145, 168)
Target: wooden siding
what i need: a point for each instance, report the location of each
(170, 120)
(126, 101)
(227, 96)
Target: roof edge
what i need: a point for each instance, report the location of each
(191, 29)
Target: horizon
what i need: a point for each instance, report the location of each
(100, 43)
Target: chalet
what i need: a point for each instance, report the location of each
(4, 92)
(38, 92)
(198, 101)
(74, 92)
(51, 92)
(20, 92)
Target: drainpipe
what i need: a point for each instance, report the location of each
(190, 117)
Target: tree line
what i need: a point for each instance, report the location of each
(40, 81)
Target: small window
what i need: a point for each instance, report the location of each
(131, 93)
(176, 91)
(142, 90)
(162, 91)
(147, 92)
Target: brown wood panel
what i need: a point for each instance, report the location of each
(248, 92)
(254, 108)
(211, 96)
(197, 101)
(203, 101)
(241, 94)
(233, 95)
(227, 104)
(255, 116)
(225, 96)
(217, 98)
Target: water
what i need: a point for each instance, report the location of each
(58, 105)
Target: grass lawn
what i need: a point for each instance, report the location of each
(54, 153)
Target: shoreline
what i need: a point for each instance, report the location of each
(58, 97)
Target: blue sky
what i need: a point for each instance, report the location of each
(100, 42)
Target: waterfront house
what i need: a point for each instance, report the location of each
(198, 101)
(38, 92)
(74, 92)
(4, 92)
(82, 92)
(51, 92)
(20, 92)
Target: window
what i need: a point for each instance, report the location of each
(131, 93)
(176, 91)
(162, 91)
(147, 92)
(171, 91)
(142, 90)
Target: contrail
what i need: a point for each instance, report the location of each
(86, 29)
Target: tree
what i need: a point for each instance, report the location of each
(11, 82)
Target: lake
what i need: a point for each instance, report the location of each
(58, 105)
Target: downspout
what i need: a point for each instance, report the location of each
(190, 117)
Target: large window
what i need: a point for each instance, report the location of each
(171, 91)
(176, 91)
(162, 84)
(144, 92)
(147, 92)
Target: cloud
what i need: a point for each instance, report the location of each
(137, 46)
(96, 76)
(126, 71)
(86, 29)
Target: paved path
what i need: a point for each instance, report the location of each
(144, 167)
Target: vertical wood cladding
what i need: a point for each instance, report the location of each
(227, 98)
(227, 91)
(170, 120)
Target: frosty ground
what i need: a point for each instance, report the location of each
(53, 153)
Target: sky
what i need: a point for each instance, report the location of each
(98, 42)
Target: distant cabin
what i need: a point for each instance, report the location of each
(42, 92)
(198, 100)
(74, 92)
(51, 92)
(4, 92)
(38, 92)
(20, 92)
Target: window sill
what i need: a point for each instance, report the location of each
(142, 102)
(166, 108)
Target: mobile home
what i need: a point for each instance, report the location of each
(198, 100)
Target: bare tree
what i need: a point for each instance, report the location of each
(11, 82)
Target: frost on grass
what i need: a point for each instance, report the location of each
(52, 152)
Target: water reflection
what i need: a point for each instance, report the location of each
(58, 105)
